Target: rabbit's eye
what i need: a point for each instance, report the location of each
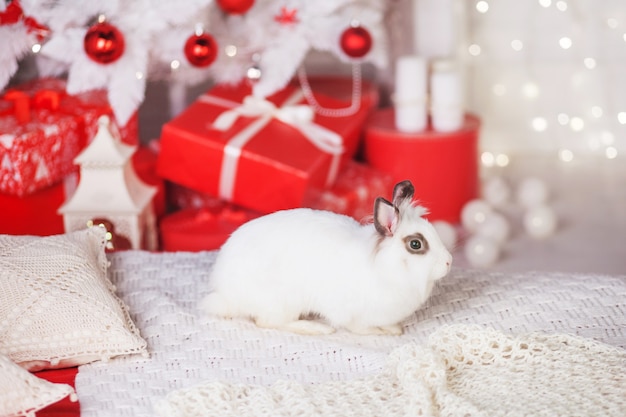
(416, 243)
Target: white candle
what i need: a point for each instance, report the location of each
(446, 97)
(410, 94)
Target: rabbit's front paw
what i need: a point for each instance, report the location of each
(306, 327)
(392, 330)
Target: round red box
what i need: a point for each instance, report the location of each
(443, 166)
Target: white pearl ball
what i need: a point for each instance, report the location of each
(540, 222)
(495, 227)
(496, 191)
(447, 233)
(474, 213)
(532, 192)
(481, 251)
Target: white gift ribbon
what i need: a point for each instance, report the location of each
(299, 117)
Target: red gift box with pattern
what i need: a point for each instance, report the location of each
(42, 129)
(88, 106)
(37, 147)
(262, 154)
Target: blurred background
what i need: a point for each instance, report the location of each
(544, 75)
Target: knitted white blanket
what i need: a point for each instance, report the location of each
(193, 355)
(464, 371)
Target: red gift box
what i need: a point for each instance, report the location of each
(353, 193)
(36, 214)
(37, 147)
(443, 166)
(263, 156)
(357, 187)
(206, 228)
(180, 197)
(89, 106)
(42, 129)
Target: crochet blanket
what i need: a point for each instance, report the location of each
(464, 371)
(193, 355)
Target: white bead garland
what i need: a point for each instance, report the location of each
(489, 229)
(474, 214)
(496, 191)
(532, 192)
(481, 251)
(540, 222)
(496, 227)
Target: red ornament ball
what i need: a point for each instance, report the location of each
(104, 43)
(12, 14)
(356, 41)
(235, 6)
(201, 50)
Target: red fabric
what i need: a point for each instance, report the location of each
(276, 168)
(443, 166)
(65, 407)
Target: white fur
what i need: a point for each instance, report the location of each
(292, 263)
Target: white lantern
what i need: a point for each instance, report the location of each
(110, 189)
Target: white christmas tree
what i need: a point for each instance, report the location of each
(19, 35)
(117, 45)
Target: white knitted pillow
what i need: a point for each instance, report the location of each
(57, 305)
(22, 393)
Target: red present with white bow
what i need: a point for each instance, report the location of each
(37, 146)
(263, 154)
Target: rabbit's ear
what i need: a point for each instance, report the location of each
(385, 217)
(402, 191)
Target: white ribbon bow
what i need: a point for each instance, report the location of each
(299, 116)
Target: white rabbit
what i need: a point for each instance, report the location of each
(283, 268)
